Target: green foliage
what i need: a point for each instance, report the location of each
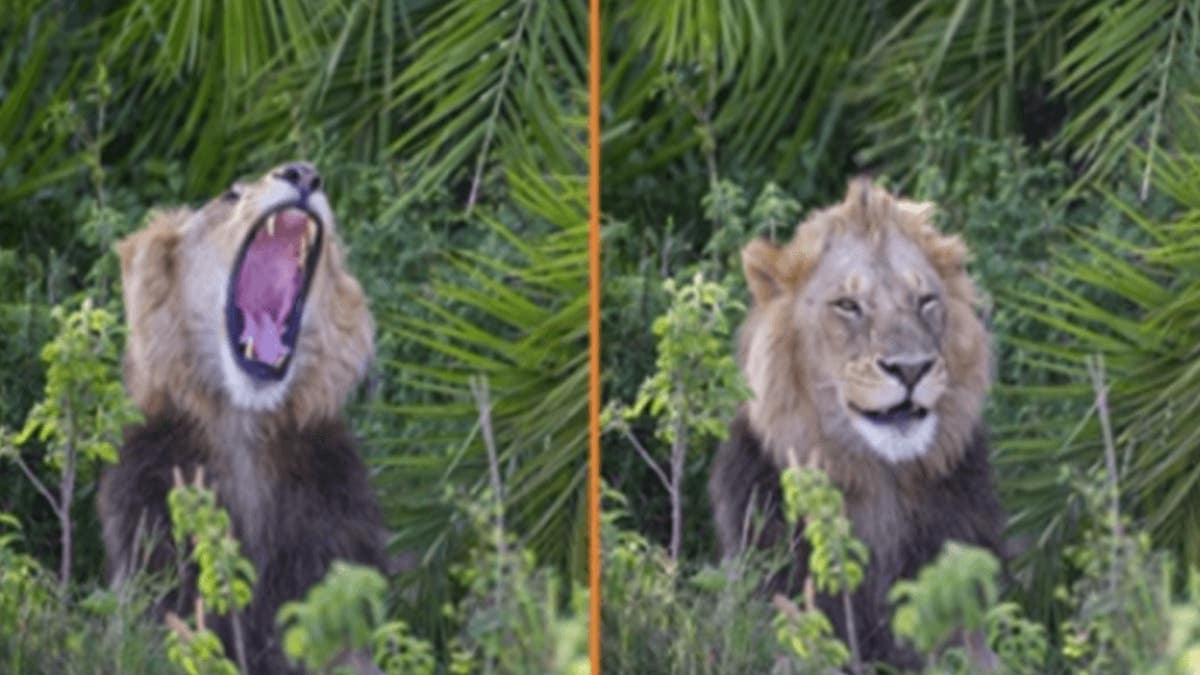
(23, 587)
(399, 652)
(950, 594)
(660, 617)
(84, 407)
(808, 635)
(1121, 70)
(43, 632)
(838, 560)
(512, 614)
(343, 615)
(335, 617)
(1022, 645)
(515, 312)
(1130, 299)
(491, 80)
(199, 653)
(836, 564)
(696, 384)
(82, 412)
(226, 578)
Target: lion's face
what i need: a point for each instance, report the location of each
(863, 337)
(245, 301)
(878, 307)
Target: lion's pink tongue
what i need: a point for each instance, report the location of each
(267, 285)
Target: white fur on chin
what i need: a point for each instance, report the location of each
(895, 445)
(248, 393)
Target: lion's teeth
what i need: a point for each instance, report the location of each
(310, 231)
(249, 347)
(279, 361)
(271, 226)
(303, 250)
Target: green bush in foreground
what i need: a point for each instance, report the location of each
(1127, 612)
(512, 617)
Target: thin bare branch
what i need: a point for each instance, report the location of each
(479, 389)
(37, 484)
(1095, 367)
(645, 455)
(678, 454)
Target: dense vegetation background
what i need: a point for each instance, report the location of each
(1060, 139)
(452, 142)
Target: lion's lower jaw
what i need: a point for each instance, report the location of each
(247, 394)
(895, 445)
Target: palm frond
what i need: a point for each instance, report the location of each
(1137, 305)
(980, 55)
(1128, 66)
(481, 75)
(518, 318)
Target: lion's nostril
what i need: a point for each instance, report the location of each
(302, 176)
(908, 372)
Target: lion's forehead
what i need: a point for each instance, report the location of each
(878, 270)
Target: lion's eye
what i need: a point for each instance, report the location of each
(232, 194)
(927, 302)
(847, 306)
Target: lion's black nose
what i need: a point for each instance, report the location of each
(908, 371)
(302, 175)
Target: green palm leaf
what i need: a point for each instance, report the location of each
(1137, 305)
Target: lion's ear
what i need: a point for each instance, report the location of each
(148, 262)
(161, 226)
(760, 263)
(917, 211)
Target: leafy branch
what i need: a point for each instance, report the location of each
(226, 579)
(837, 560)
(80, 416)
(694, 389)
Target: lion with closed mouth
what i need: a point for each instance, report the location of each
(246, 336)
(866, 358)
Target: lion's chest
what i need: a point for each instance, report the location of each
(243, 481)
(884, 522)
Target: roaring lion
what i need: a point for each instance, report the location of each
(865, 357)
(246, 335)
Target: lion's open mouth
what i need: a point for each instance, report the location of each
(268, 287)
(897, 415)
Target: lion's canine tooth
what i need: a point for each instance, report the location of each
(271, 226)
(310, 230)
(279, 360)
(303, 251)
(249, 353)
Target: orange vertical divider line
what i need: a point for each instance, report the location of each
(593, 488)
